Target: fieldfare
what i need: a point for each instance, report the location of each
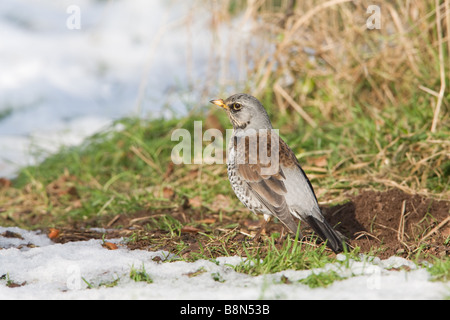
(265, 174)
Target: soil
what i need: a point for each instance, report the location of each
(393, 223)
(379, 223)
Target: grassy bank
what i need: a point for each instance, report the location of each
(128, 167)
(127, 172)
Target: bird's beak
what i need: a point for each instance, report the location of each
(220, 103)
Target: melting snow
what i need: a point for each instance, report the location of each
(63, 271)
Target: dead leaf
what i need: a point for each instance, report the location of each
(446, 232)
(189, 229)
(54, 233)
(206, 221)
(168, 193)
(12, 284)
(110, 246)
(220, 202)
(192, 174)
(5, 183)
(169, 170)
(10, 234)
(320, 162)
(285, 280)
(195, 202)
(157, 259)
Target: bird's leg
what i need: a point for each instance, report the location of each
(282, 232)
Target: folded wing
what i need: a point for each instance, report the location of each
(285, 192)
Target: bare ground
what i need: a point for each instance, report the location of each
(379, 223)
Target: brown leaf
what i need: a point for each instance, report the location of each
(193, 173)
(446, 232)
(10, 234)
(12, 284)
(109, 246)
(206, 221)
(320, 162)
(169, 170)
(285, 280)
(189, 229)
(157, 259)
(168, 192)
(5, 183)
(220, 202)
(195, 202)
(54, 233)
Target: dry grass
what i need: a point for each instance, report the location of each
(321, 64)
(329, 43)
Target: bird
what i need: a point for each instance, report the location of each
(276, 188)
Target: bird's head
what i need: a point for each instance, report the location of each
(245, 112)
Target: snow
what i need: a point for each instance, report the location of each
(60, 271)
(128, 58)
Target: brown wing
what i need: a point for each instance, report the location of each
(268, 188)
(278, 194)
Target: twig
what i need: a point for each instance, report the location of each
(365, 233)
(107, 203)
(295, 105)
(401, 225)
(113, 220)
(440, 225)
(428, 90)
(441, 69)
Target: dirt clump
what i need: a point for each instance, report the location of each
(393, 223)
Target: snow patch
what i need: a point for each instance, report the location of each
(65, 271)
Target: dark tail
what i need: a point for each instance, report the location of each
(327, 233)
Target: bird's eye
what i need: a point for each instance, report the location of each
(236, 106)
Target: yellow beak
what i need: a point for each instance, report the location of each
(220, 103)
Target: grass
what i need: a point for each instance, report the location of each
(293, 254)
(107, 284)
(116, 172)
(137, 275)
(440, 269)
(10, 283)
(107, 177)
(140, 275)
(322, 279)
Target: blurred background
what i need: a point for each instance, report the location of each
(360, 88)
(61, 82)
